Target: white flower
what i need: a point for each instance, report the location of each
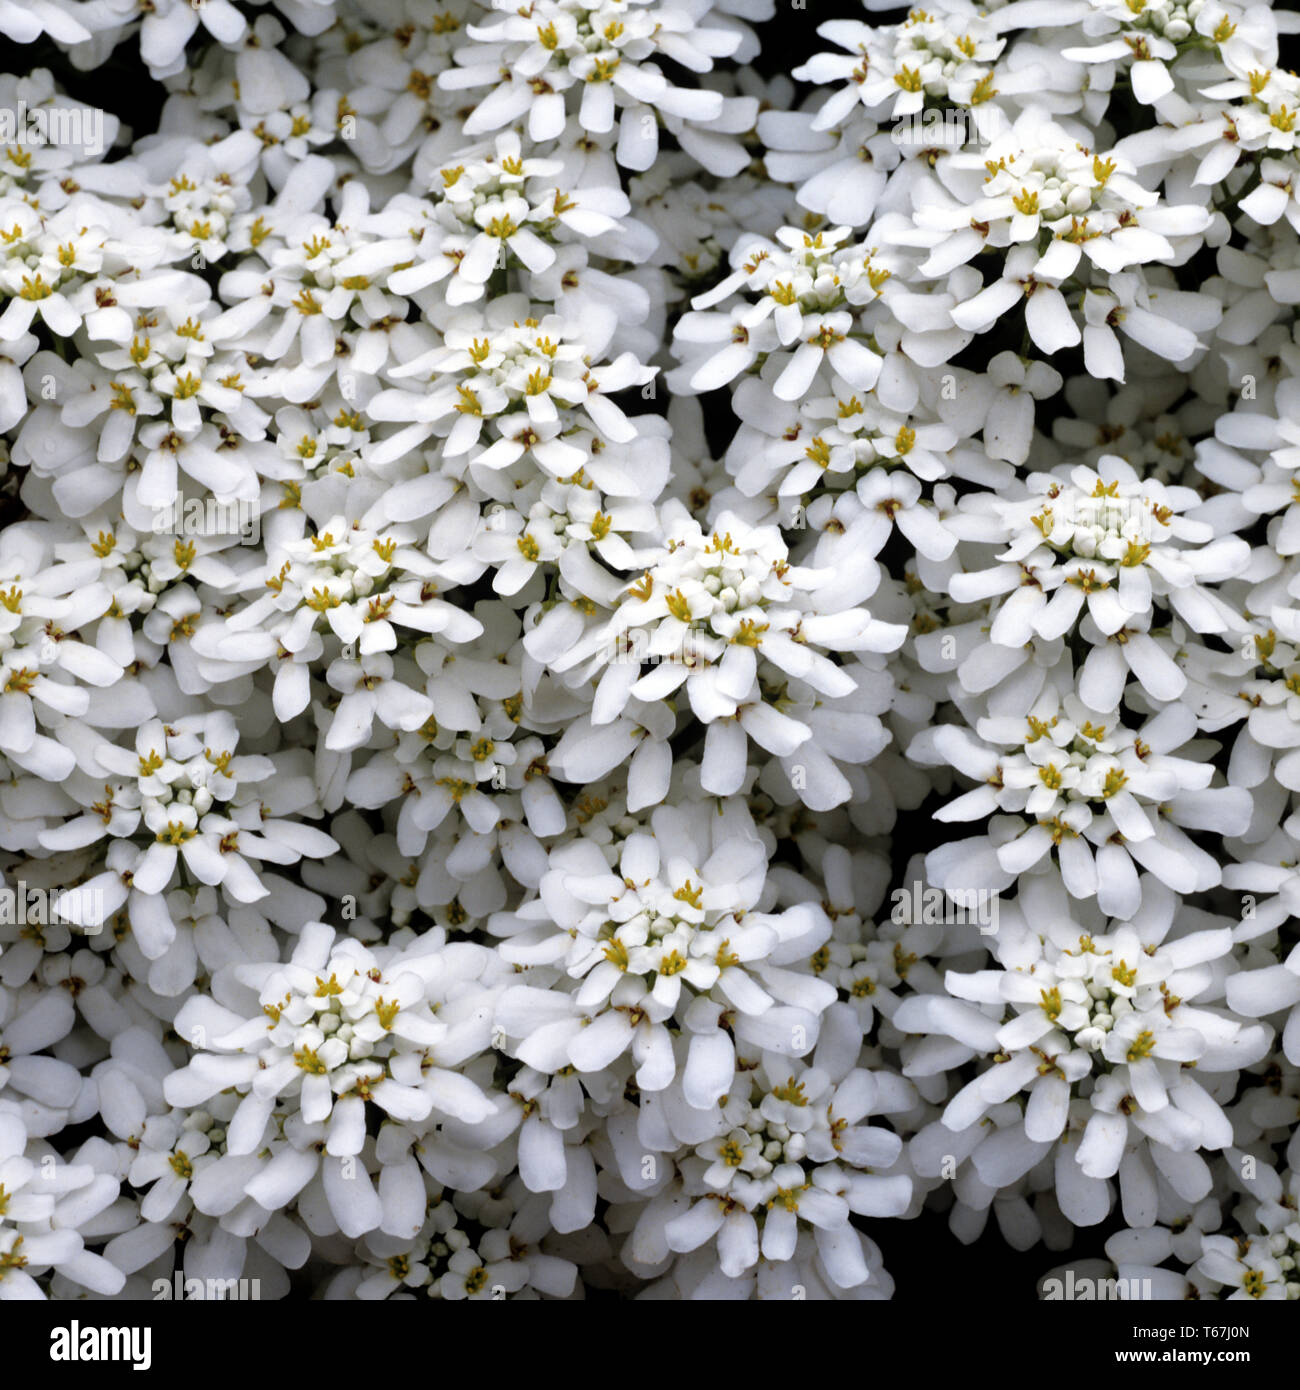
(1100, 1028)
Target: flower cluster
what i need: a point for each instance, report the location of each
(620, 674)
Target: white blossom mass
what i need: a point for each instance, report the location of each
(626, 665)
